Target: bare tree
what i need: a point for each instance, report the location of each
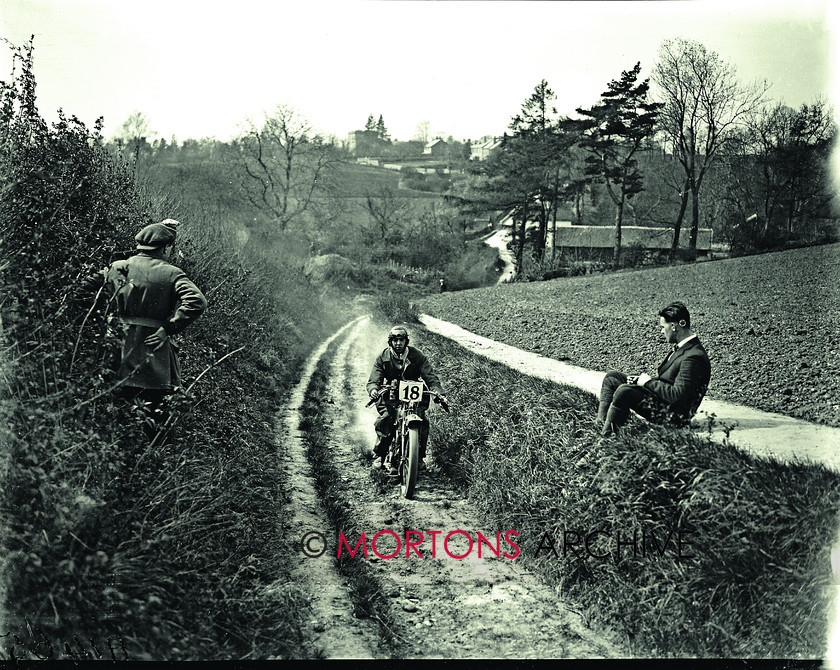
(387, 211)
(134, 133)
(421, 133)
(284, 165)
(703, 106)
(792, 149)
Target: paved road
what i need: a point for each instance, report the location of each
(762, 433)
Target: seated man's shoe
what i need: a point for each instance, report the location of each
(421, 466)
(616, 418)
(377, 463)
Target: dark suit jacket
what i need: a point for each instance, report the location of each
(683, 379)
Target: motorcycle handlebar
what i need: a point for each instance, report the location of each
(436, 397)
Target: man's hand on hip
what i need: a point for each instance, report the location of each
(155, 340)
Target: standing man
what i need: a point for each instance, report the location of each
(153, 300)
(673, 396)
(399, 361)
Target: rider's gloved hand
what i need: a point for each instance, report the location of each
(441, 399)
(374, 394)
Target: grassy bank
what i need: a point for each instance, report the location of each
(736, 549)
(163, 552)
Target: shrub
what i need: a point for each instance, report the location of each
(474, 267)
(395, 308)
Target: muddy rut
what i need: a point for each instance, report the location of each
(448, 601)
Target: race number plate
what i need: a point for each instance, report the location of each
(411, 391)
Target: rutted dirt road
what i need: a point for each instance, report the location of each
(445, 607)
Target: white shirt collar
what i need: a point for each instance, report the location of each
(682, 342)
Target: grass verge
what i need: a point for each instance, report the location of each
(685, 546)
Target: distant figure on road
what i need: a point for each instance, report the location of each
(442, 285)
(153, 300)
(399, 361)
(673, 396)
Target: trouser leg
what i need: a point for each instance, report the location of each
(631, 397)
(615, 418)
(384, 426)
(612, 380)
(152, 404)
(603, 406)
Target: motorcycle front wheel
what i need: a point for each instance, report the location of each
(410, 463)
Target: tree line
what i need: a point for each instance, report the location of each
(690, 147)
(654, 149)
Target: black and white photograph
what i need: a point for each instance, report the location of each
(385, 330)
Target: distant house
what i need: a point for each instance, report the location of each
(366, 143)
(481, 150)
(355, 138)
(435, 147)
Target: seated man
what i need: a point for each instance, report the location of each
(398, 361)
(673, 396)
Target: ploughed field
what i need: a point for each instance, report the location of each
(769, 322)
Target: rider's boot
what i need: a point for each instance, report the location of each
(424, 440)
(380, 451)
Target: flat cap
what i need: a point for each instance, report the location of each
(154, 236)
(172, 224)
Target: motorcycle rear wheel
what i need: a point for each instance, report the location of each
(410, 463)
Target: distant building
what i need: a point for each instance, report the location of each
(366, 143)
(354, 138)
(481, 150)
(593, 238)
(435, 147)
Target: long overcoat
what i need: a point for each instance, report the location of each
(149, 293)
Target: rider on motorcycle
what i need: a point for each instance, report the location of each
(399, 361)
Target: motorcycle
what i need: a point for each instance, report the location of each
(404, 452)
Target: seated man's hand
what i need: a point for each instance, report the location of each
(642, 379)
(155, 340)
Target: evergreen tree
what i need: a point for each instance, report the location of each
(543, 141)
(381, 130)
(615, 129)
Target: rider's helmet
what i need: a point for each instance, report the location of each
(398, 339)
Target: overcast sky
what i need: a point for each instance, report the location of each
(200, 69)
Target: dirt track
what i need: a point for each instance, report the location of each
(445, 607)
